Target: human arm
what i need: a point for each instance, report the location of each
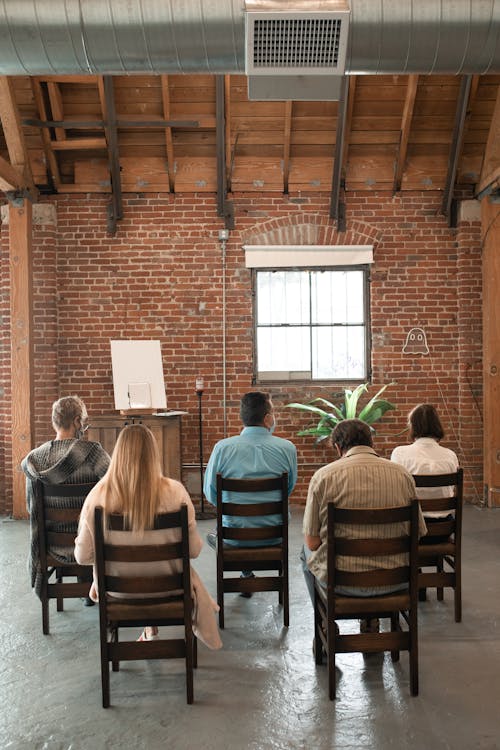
(84, 542)
(311, 525)
(292, 471)
(210, 480)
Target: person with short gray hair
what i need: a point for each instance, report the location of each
(68, 459)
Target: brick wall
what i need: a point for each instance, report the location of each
(161, 277)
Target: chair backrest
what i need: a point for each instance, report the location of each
(394, 552)
(251, 509)
(120, 563)
(452, 504)
(58, 509)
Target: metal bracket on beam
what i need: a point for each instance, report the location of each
(16, 198)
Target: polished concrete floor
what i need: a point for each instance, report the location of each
(263, 690)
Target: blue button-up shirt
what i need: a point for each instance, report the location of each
(254, 454)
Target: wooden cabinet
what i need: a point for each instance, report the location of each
(165, 428)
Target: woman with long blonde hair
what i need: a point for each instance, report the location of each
(135, 487)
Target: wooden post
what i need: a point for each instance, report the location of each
(490, 219)
(21, 317)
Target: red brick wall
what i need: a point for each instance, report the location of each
(160, 277)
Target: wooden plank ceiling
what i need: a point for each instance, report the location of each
(398, 134)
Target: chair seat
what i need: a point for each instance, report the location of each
(426, 551)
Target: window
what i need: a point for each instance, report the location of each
(312, 324)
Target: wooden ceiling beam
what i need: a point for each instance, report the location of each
(106, 93)
(169, 144)
(225, 208)
(490, 177)
(456, 145)
(54, 177)
(131, 121)
(336, 206)
(227, 103)
(404, 135)
(10, 177)
(57, 109)
(80, 144)
(348, 121)
(13, 132)
(286, 144)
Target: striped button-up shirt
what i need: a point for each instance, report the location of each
(360, 479)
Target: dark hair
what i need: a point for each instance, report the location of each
(351, 432)
(424, 421)
(253, 408)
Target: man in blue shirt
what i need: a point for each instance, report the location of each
(254, 453)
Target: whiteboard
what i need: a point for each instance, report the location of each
(138, 375)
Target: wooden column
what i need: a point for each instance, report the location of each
(490, 219)
(21, 317)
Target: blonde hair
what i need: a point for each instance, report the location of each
(132, 482)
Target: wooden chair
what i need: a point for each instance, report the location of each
(130, 598)
(445, 557)
(330, 606)
(58, 509)
(268, 558)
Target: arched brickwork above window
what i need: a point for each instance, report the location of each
(293, 230)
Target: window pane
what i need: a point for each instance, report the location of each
(283, 350)
(282, 297)
(338, 352)
(337, 297)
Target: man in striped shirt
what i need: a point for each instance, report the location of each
(359, 479)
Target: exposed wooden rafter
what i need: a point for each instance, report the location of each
(490, 171)
(224, 207)
(352, 80)
(337, 209)
(456, 145)
(286, 144)
(227, 103)
(169, 143)
(406, 119)
(13, 133)
(10, 177)
(53, 176)
(106, 93)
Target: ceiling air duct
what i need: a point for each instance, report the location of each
(295, 53)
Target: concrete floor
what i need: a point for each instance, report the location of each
(263, 690)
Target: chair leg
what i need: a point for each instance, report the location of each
(458, 596)
(440, 590)
(395, 627)
(189, 666)
(60, 600)
(114, 639)
(104, 674)
(332, 678)
(44, 596)
(413, 652)
(195, 651)
(286, 602)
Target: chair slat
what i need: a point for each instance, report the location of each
(262, 533)
(368, 516)
(143, 553)
(143, 584)
(369, 578)
(251, 509)
(371, 547)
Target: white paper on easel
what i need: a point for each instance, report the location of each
(138, 375)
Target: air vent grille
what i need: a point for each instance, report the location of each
(296, 43)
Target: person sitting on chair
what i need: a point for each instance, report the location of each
(425, 455)
(253, 454)
(359, 479)
(69, 459)
(135, 487)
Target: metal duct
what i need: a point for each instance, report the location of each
(43, 37)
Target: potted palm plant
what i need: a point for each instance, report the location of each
(330, 414)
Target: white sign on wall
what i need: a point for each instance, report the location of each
(138, 375)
